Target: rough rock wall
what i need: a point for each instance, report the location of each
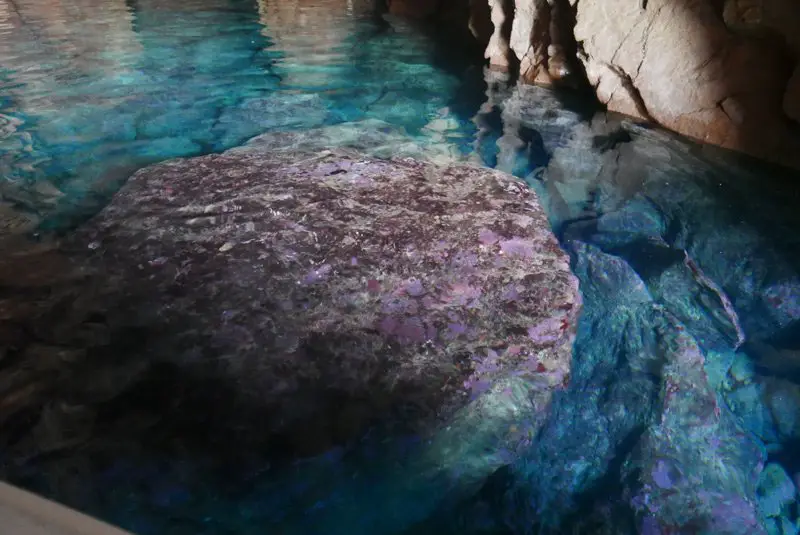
(726, 72)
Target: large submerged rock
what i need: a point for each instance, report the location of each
(331, 290)
(292, 301)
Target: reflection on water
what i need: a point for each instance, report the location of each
(92, 90)
(314, 38)
(668, 239)
(685, 392)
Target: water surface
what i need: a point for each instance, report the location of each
(92, 90)
(666, 236)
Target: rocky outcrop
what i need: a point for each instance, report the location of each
(685, 66)
(295, 286)
(718, 72)
(498, 51)
(536, 34)
(289, 299)
(686, 358)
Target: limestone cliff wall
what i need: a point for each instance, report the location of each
(726, 72)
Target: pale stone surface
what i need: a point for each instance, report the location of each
(22, 513)
(529, 39)
(679, 64)
(498, 51)
(716, 72)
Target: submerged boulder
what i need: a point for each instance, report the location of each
(331, 289)
(293, 301)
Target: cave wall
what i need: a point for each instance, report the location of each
(726, 72)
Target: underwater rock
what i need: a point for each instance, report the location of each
(16, 221)
(689, 277)
(776, 490)
(291, 300)
(372, 137)
(87, 124)
(195, 122)
(364, 278)
(256, 115)
(639, 438)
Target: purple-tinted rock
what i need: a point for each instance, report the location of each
(295, 299)
(312, 283)
(682, 484)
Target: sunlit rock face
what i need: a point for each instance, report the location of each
(715, 71)
(689, 68)
(536, 34)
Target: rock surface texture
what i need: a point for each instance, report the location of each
(335, 282)
(292, 300)
(725, 73)
(681, 415)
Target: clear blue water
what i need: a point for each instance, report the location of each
(91, 90)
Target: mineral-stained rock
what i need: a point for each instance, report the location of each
(290, 300)
(333, 279)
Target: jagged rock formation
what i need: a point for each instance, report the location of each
(726, 73)
(686, 358)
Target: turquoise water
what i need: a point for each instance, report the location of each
(666, 237)
(92, 90)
